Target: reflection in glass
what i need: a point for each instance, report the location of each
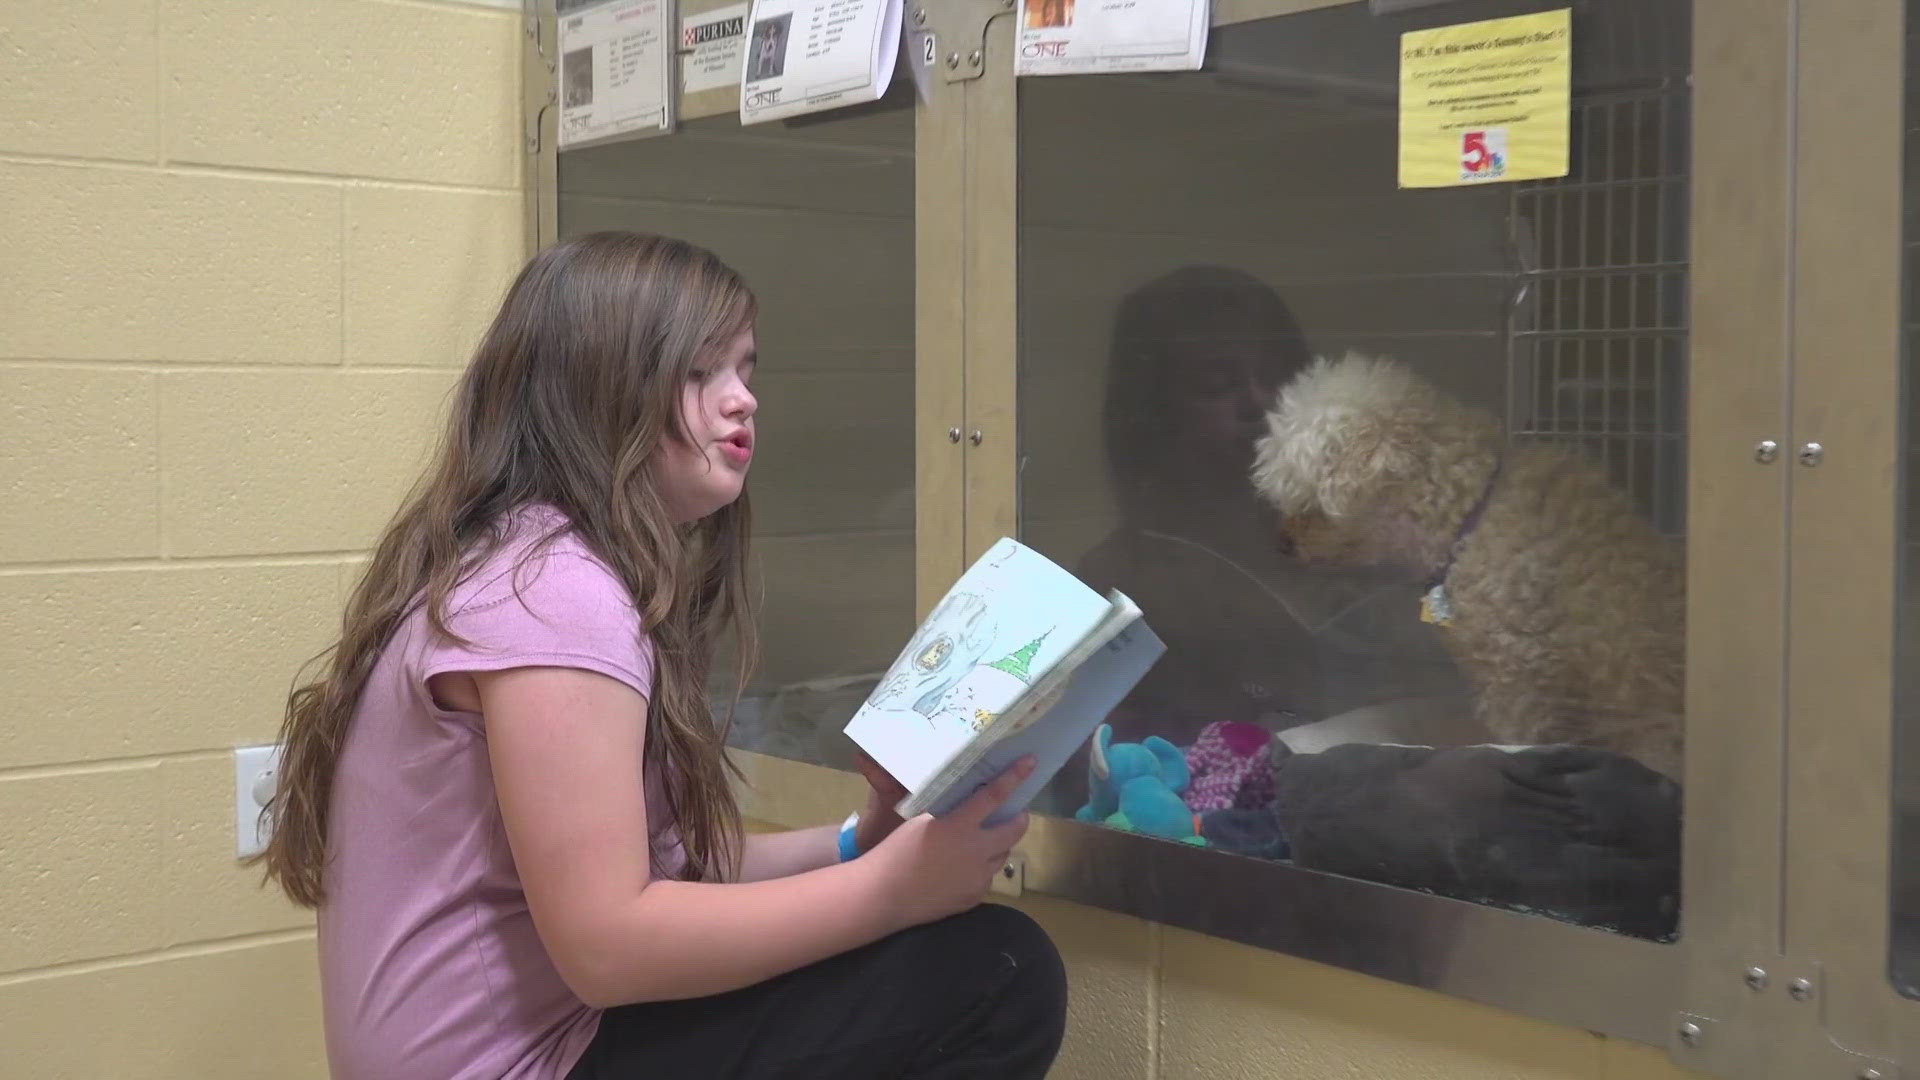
(1423, 607)
(833, 486)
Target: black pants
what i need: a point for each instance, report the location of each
(979, 995)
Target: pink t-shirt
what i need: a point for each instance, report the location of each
(429, 961)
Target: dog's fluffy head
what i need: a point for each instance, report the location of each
(1340, 431)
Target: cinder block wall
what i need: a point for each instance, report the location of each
(248, 244)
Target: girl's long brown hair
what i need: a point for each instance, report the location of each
(574, 387)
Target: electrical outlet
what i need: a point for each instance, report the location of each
(256, 773)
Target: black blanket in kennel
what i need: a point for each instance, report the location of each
(1568, 832)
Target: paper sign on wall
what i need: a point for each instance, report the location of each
(809, 55)
(1082, 37)
(1487, 101)
(615, 71)
(713, 45)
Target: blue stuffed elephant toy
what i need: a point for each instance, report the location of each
(1137, 787)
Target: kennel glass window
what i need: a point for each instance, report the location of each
(817, 214)
(1905, 877)
(1424, 624)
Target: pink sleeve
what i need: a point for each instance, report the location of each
(562, 609)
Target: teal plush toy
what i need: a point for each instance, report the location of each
(1137, 786)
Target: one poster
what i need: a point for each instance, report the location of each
(1486, 102)
(1082, 37)
(713, 45)
(806, 56)
(615, 71)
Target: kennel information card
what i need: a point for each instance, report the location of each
(805, 56)
(1086, 37)
(712, 46)
(1487, 101)
(616, 70)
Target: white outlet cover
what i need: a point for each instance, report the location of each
(255, 772)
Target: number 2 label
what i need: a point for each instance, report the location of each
(1473, 151)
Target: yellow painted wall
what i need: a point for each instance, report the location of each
(248, 242)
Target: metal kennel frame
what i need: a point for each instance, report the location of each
(1711, 305)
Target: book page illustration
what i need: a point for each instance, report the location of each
(941, 654)
(950, 675)
(1006, 622)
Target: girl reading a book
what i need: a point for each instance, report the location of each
(506, 793)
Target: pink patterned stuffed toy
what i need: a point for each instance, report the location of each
(1232, 767)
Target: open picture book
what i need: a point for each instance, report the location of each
(1018, 658)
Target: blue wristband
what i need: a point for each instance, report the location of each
(849, 844)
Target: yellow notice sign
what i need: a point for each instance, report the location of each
(1486, 101)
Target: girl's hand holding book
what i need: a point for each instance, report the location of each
(935, 867)
(879, 819)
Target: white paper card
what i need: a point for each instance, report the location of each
(713, 44)
(1085, 37)
(808, 55)
(616, 67)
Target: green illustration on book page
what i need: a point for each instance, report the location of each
(1006, 621)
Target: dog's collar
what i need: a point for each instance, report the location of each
(1468, 524)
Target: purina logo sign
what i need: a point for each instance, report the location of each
(1483, 154)
(716, 30)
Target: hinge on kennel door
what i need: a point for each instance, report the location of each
(950, 36)
(539, 83)
(1778, 1032)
